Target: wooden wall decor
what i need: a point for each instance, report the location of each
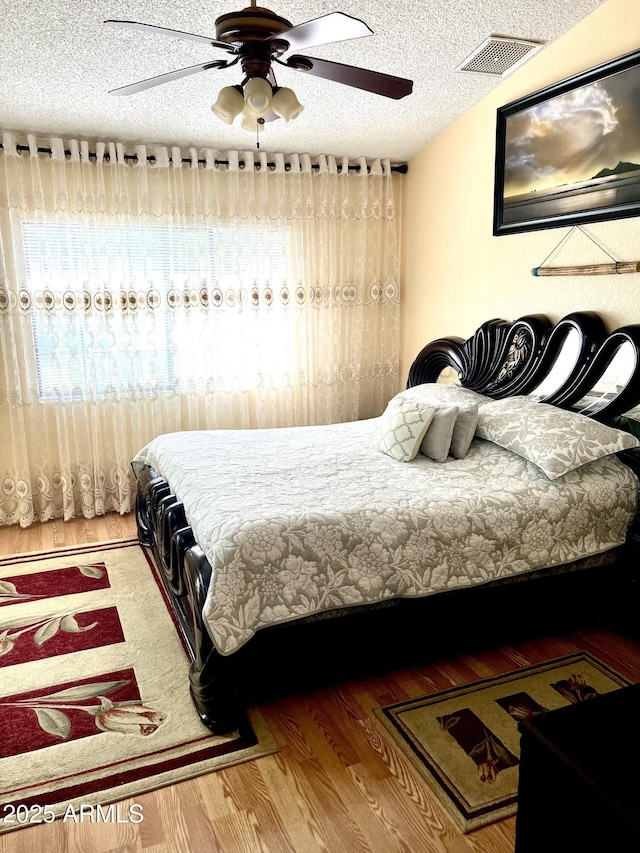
(615, 268)
(612, 267)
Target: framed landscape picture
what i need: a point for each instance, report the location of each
(570, 153)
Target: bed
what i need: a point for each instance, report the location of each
(277, 545)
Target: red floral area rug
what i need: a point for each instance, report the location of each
(94, 687)
(465, 741)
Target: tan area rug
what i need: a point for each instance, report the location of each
(465, 741)
(94, 688)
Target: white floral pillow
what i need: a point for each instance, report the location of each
(435, 393)
(401, 428)
(556, 440)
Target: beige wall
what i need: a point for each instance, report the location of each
(455, 273)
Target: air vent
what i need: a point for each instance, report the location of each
(499, 56)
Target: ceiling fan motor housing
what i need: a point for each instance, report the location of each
(250, 25)
(249, 28)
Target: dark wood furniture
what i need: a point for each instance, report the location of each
(501, 359)
(578, 786)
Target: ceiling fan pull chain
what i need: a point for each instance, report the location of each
(259, 126)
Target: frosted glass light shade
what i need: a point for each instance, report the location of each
(285, 104)
(230, 103)
(250, 121)
(257, 96)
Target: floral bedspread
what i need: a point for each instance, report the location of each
(304, 520)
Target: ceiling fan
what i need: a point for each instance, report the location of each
(257, 38)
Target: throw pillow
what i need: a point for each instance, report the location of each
(401, 428)
(556, 440)
(437, 439)
(464, 429)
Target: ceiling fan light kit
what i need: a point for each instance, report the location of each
(285, 104)
(252, 123)
(233, 101)
(257, 38)
(229, 104)
(257, 96)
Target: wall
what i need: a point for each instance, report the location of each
(455, 273)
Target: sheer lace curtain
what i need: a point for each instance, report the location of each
(149, 290)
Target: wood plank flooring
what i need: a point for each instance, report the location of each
(337, 784)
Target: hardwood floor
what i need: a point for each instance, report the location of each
(336, 785)
(57, 534)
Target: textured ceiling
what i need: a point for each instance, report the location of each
(59, 60)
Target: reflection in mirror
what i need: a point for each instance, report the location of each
(613, 380)
(562, 368)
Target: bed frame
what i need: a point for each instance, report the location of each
(500, 360)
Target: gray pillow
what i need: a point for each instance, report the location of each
(556, 440)
(437, 439)
(464, 429)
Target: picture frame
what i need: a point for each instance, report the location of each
(565, 155)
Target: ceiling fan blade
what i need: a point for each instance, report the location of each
(325, 30)
(145, 28)
(150, 82)
(360, 78)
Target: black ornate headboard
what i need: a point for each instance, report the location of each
(503, 359)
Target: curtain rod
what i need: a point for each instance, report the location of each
(402, 168)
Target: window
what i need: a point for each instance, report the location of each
(137, 309)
